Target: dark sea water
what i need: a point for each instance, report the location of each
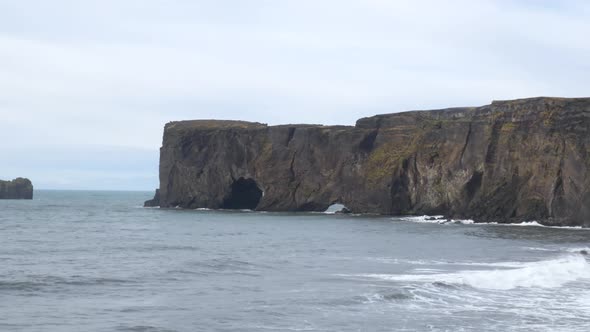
(97, 261)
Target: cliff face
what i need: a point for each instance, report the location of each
(510, 161)
(18, 188)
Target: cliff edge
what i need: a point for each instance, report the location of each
(19, 188)
(510, 161)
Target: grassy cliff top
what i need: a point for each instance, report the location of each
(400, 118)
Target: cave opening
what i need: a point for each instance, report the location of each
(244, 194)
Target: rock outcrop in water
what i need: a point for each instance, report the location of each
(154, 202)
(19, 188)
(510, 161)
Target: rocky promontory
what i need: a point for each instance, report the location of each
(510, 161)
(19, 188)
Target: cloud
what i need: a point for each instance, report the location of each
(112, 73)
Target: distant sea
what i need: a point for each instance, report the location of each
(98, 261)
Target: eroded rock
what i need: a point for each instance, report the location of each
(19, 188)
(510, 161)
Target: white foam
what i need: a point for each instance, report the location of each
(539, 249)
(527, 223)
(437, 220)
(578, 250)
(542, 274)
(532, 223)
(464, 222)
(536, 224)
(441, 220)
(426, 219)
(435, 262)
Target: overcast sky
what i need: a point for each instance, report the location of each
(86, 86)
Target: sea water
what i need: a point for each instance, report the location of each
(98, 261)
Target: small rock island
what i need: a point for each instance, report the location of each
(19, 188)
(510, 161)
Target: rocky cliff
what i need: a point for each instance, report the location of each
(510, 161)
(18, 188)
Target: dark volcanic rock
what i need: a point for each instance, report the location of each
(510, 161)
(154, 202)
(18, 188)
(344, 210)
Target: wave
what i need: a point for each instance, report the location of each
(224, 210)
(578, 250)
(536, 224)
(37, 283)
(542, 274)
(424, 219)
(575, 250)
(443, 221)
(437, 262)
(540, 249)
(142, 328)
(222, 266)
(385, 297)
(20, 286)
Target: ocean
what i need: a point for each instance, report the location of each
(98, 261)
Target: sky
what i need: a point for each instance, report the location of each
(87, 86)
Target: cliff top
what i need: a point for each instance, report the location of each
(213, 124)
(530, 105)
(538, 100)
(390, 119)
(17, 181)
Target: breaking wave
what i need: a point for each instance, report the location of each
(436, 220)
(536, 224)
(542, 274)
(443, 221)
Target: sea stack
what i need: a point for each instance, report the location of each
(510, 161)
(19, 188)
